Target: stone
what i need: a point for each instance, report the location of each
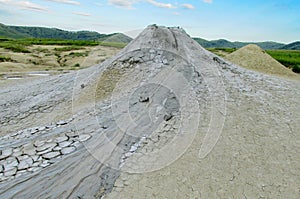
(151, 51)
(6, 153)
(35, 158)
(68, 150)
(10, 163)
(35, 169)
(46, 146)
(39, 143)
(20, 173)
(42, 128)
(57, 148)
(29, 149)
(50, 126)
(76, 144)
(65, 144)
(61, 139)
(83, 137)
(128, 154)
(61, 123)
(165, 62)
(24, 164)
(12, 171)
(36, 164)
(133, 148)
(17, 154)
(51, 155)
(43, 152)
(1, 169)
(72, 134)
(44, 164)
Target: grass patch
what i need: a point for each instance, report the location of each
(15, 47)
(289, 58)
(68, 48)
(77, 65)
(5, 59)
(42, 50)
(111, 44)
(221, 51)
(296, 69)
(77, 54)
(59, 42)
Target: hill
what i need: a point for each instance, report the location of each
(54, 33)
(118, 38)
(255, 58)
(292, 46)
(267, 45)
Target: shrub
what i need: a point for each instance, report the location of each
(296, 69)
(5, 59)
(14, 47)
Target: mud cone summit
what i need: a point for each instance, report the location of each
(164, 118)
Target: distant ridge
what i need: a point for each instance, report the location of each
(292, 46)
(18, 32)
(268, 45)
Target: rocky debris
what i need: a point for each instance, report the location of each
(35, 155)
(83, 137)
(36, 131)
(6, 153)
(51, 155)
(68, 150)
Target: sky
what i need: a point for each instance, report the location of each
(234, 20)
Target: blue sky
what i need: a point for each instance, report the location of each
(235, 20)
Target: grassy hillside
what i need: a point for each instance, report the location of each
(17, 32)
(7, 32)
(292, 46)
(289, 58)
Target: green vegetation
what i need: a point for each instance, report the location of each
(296, 69)
(221, 51)
(5, 59)
(18, 32)
(222, 43)
(19, 45)
(68, 48)
(14, 46)
(289, 58)
(77, 54)
(113, 44)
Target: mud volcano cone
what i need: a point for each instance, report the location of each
(163, 118)
(254, 58)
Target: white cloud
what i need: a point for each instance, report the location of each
(66, 2)
(188, 6)
(161, 5)
(176, 13)
(128, 4)
(25, 5)
(82, 14)
(123, 3)
(207, 1)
